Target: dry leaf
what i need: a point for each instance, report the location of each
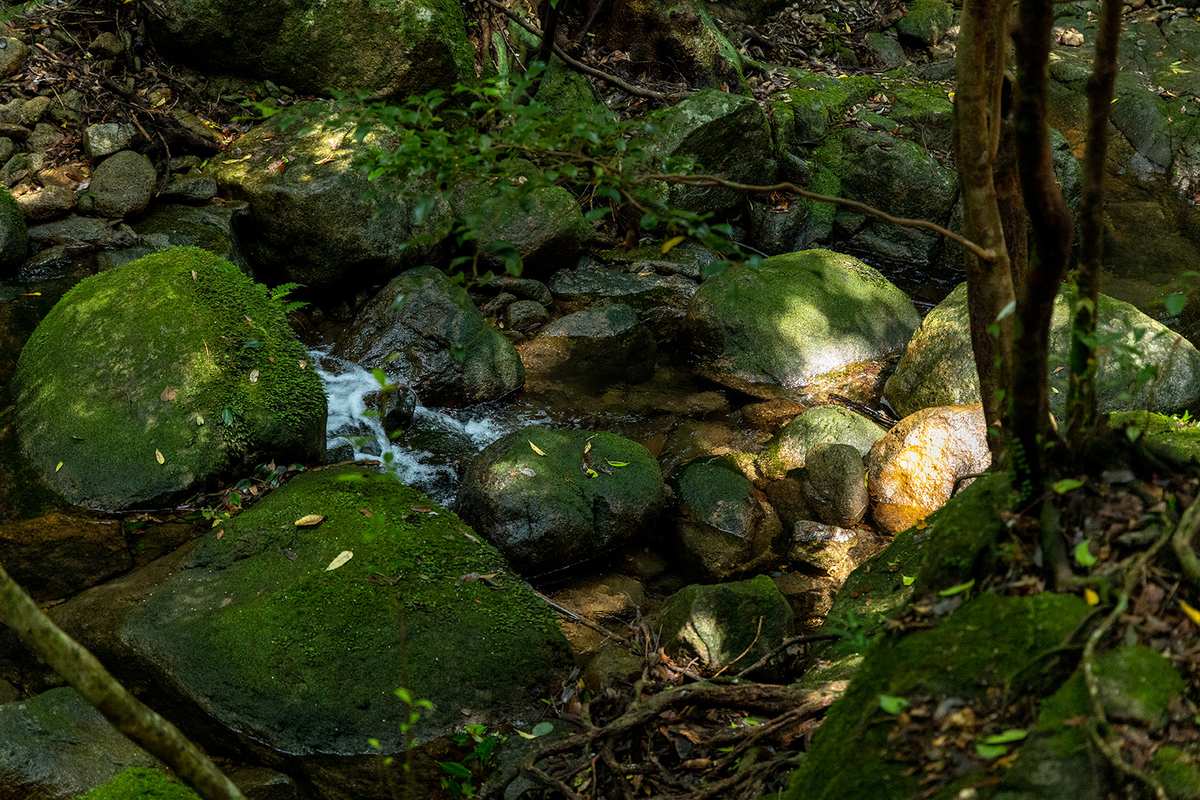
(302, 364)
(309, 520)
(254, 376)
(159, 457)
(1192, 613)
(365, 512)
(537, 449)
(168, 394)
(220, 533)
(587, 448)
(1091, 597)
(342, 558)
(422, 509)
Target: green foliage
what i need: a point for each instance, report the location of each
(854, 631)
(495, 133)
(279, 295)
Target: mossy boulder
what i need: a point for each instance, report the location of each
(596, 348)
(1170, 439)
(725, 134)
(926, 21)
(14, 238)
(427, 335)
(720, 622)
(390, 48)
(584, 493)
(56, 745)
(140, 783)
(722, 527)
(680, 37)
(800, 322)
(295, 655)
(314, 217)
(153, 380)
(822, 424)
(938, 368)
(990, 648)
(564, 90)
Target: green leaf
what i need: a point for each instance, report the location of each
(543, 729)
(1133, 432)
(404, 695)
(908, 581)
(1012, 735)
(597, 213)
(990, 751)
(1083, 556)
(959, 589)
(1174, 303)
(455, 769)
(1066, 485)
(617, 463)
(227, 416)
(892, 705)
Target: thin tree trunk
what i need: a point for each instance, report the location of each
(93, 682)
(1081, 394)
(1052, 231)
(980, 63)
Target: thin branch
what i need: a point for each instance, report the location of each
(711, 180)
(803, 639)
(574, 64)
(127, 714)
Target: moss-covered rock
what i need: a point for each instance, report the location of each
(990, 647)
(725, 134)
(1168, 438)
(389, 47)
(148, 381)
(938, 368)
(565, 90)
(314, 218)
(595, 348)
(427, 335)
(292, 655)
(832, 424)
(801, 321)
(722, 527)
(14, 239)
(678, 35)
(552, 511)
(56, 745)
(926, 21)
(139, 783)
(720, 622)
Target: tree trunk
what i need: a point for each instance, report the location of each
(93, 682)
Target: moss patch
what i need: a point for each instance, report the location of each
(138, 783)
(305, 659)
(176, 353)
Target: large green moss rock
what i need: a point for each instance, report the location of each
(56, 745)
(297, 657)
(820, 425)
(991, 647)
(550, 510)
(926, 21)
(720, 622)
(14, 237)
(797, 322)
(938, 368)
(1170, 439)
(388, 47)
(725, 134)
(139, 783)
(424, 332)
(152, 380)
(314, 217)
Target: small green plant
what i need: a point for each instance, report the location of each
(416, 708)
(279, 295)
(458, 777)
(854, 631)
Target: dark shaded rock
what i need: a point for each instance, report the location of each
(13, 53)
(525, 316)
(123, 184)
(926, 21)
(46, 203)
(190, 188)
(14, 241)
(721, 622)
(57, 555)
(834, 484)
(445, 350)
(547, 512)
(208, 227)
(600, 346)
(787, 450)
(826, 548)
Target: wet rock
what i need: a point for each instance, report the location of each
(787, 450)
(600, 346)
(801, 321)
(13, 54)
(14, 239)
(44, 137)
(613, 667)
(524, 288)
(548, 512)
(591, 283)
(395, 408)
(260, 783)
(722, 527)
(56, 746)
(208, 227)
(392, 50)
(59, 554)
(826, 548)
(123, 184)
(309, 222)
(770, 415)
(834, 484)
(719, 623)
(102, 140)
(190, 188)
(46, 203)
(913, 469)
(525, 316)
(434, 321)
(702, 128)
(938, 368)
(926, 22)
(495, 307)
(190, 399)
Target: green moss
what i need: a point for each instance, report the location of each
(827, 179)
(1166, 437)
(992, 645)
(1178, 773)
(788, 448)
(274, 635)
(148, 357)
(965, 537)
(14, 237)
(926, 21)
(717, 495)
(721, 622)
(139, 783)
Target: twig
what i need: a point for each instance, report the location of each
(579, 66)
(803, 639)
(753, 642)
(710, 180)
(584, 621)
(1181, 543)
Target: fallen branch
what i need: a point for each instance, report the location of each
(127, 714)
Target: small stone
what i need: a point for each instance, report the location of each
(834, 483)
(69, 108)
(6, 149)
(101, 141)
(49, 202)
(495, 307)
(10, 112)
(44, 137)
(190, 188)
(124, 184)
(525, 315)
(14, 169)
(825, 547)
(1072, 38)
(13, 53)
(106, 44)
(33, 109)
